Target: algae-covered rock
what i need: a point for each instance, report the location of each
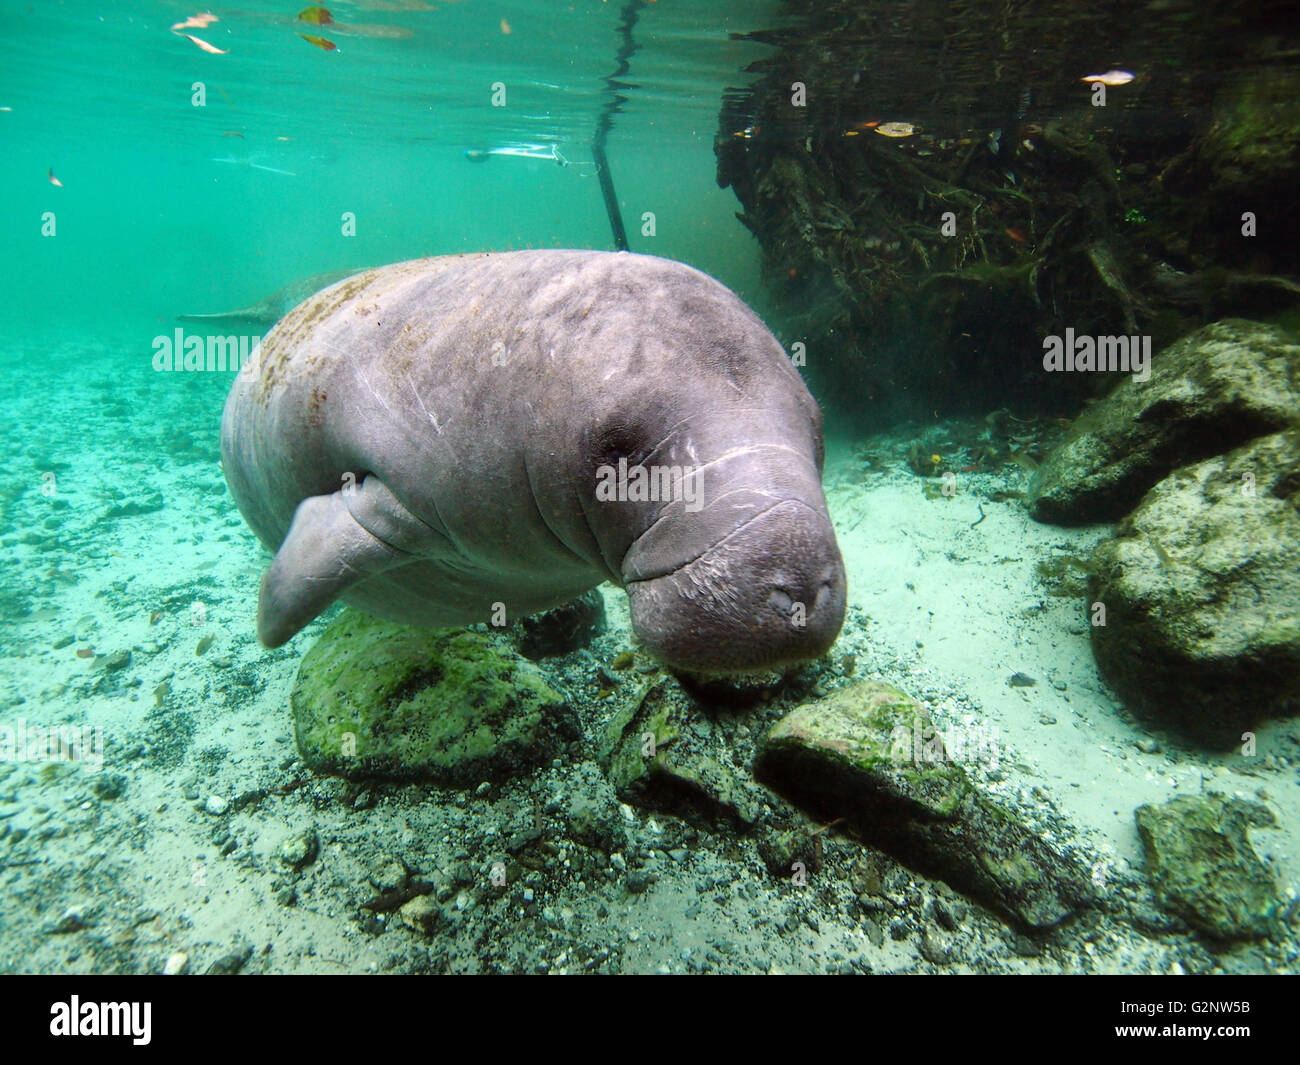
(869, 754)
(375, 699)
(1201, 590)
(659, 755)
(1203, 867)
(1221, 386)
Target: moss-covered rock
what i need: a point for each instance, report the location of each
(1201, 590)
(1203, 867)
(1221, 386)
(869, 754)
(375, 699)
(657, 754)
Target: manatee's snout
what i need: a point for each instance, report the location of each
(770, 594)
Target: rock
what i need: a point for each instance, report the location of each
(375, 699)
(73, 919)
(177, 965)
(593, 820)
(300, 849)
(216, 805)
(422, 914)
(230, 964)
(1201, 589)
(566, 628)
(639, 881)
(108, 786)
(852, 755)
(1203, 867)
(116, 661)
(659, 755)
(935, 947)
(1212, 391)
(780, 849)
(391, 876)
(151, 505)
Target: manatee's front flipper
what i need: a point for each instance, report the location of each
(334, 542)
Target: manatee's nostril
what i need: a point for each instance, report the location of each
(780, 600)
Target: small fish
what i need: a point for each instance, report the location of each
(195, 22)
(155, 616)
(1111, 77)
(505, 27)
(232, 133)
(895, 129)
(210, 48)
(320, 42)
(85, 652)
(53, 180)
(1017, 234)
(204, 644)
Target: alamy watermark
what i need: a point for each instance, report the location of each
(1071, 354)
(923, 742)
(650, 484)
(198, 353)
(24, 742)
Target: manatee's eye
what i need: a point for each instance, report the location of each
(618, 440)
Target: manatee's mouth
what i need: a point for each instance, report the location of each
(770, 593)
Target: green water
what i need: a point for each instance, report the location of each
(148, 225)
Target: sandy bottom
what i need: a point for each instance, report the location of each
(173, 846)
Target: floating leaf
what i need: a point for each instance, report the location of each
(895, 129)
(196, 22)
(205, 46)
(319, 42)
(316, 15)
(1111, 77)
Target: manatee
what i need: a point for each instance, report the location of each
(457, 439)
(267, 311)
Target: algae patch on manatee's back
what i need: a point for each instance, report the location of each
(376, 699)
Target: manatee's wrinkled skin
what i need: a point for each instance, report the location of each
(422, 441)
